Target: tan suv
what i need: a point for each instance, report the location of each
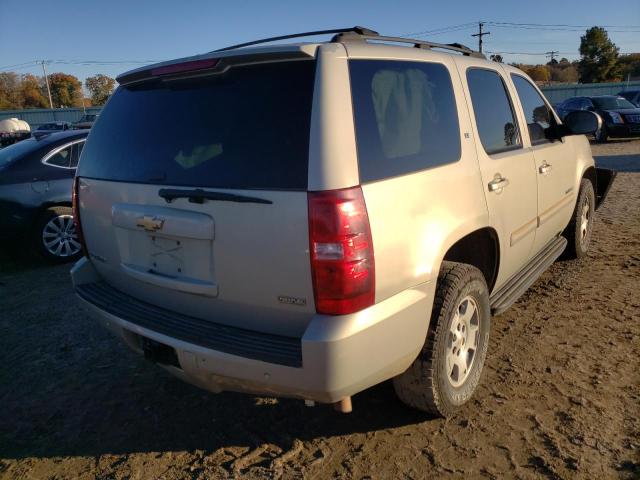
(309, 220)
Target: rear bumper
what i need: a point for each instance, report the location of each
(339, 356)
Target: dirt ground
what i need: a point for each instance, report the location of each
(560, 396)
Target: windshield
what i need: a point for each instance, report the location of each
(247, 128)
(612, 103)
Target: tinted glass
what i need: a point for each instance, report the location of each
(405, 117)
(62, 158)
(246, 128)
(496, 123)
(75, 154)
(536, 112)
(611, 103)
(631, 96)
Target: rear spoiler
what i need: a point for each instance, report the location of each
(604, 180)
(216, 62)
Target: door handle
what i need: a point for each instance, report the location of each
(498, 183)
(544, 168)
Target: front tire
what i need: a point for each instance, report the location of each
(446, 373)
(601, 134)
(578, 232)
(55, 237)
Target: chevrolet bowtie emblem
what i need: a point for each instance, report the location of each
(150, 224)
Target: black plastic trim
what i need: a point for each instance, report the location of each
(261, 346)
(521, 281)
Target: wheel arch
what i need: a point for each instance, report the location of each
(480, 248)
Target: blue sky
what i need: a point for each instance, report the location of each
(132, 32)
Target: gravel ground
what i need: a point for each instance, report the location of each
(560, 396)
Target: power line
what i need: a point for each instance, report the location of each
(556, 29)
(552, 55)
(439, 31)
(561, 25)
(79, 62)
(480, 34)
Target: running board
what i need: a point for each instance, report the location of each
(521, 281)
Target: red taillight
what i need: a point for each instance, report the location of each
(186, 66)
(75, 206)
(341, 250)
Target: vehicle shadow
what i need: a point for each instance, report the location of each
(18, 255)
(169, 416)
(71, 389)
(619, 163)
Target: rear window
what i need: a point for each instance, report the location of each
(247, 128)
(405, 117)
(16, 151)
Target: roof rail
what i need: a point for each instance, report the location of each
(356, 30)
(346, 37)
(362, 34)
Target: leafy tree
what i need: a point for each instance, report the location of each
(10, 91)
(629, 65)
(66, 90)
(539, 73)
(599, 57)
(497, 58)
(31, 92)
(100, 87)
(565, 75)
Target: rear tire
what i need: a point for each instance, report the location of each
(54, 236)
(446, 373)
(578, 232)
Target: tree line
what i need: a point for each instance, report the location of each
(600, 61)
(30, 91)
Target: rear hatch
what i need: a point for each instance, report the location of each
(192, 193)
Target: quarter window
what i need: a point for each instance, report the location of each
(61, 158)
(497, 126)
(536, 111)
(406, 118)
(75, 154)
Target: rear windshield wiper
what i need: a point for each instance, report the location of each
(197, 195)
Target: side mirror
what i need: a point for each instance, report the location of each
(581, 122)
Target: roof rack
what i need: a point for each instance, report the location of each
(362, 34)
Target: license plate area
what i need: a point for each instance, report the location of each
(167, 247)
(159, 352)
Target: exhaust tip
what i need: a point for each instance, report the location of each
(344, 405)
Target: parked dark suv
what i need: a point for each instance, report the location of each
(620, 117)
(36, 178)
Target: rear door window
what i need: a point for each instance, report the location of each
(496, 122)
(246, 128)
(536, 111)
(406, 118)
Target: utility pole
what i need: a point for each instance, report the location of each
(46, 79)
(552, 55)
(480, 34)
